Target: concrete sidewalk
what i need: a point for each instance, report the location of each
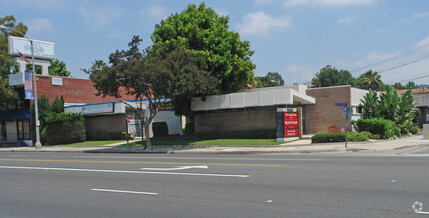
(301, 146)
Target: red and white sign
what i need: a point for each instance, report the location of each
(291, 124)
(291, 132)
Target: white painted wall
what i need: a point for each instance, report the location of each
(174, 122)
(357, 95)
(254, 98)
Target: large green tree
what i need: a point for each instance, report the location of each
(270, 80)
(329, 76)
(369, 80)
(205, 34)
(58, 68)
(177, 75)
(7, 65)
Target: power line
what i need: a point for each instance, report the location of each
(423, 57)
(392, 58)
(419, 76)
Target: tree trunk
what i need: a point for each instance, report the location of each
(147, 135)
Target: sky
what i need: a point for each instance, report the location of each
(295, 38)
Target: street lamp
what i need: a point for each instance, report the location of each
(38, 145)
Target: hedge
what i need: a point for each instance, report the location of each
(340, 137)
(358, 136)
(385, 128)
(63, 128)
(328, 137)
(242, 134)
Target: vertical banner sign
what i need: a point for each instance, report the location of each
(28, 85)
(291, 124)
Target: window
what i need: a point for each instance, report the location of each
(23, 129)
(359, 110)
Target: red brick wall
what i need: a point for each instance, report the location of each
(324, 114)
(73, 90)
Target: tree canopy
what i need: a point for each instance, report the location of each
(369, 80)
(7, 65)
(58, 68)
(177, 75)
(329, 76)
(205, 34)
(270, 80)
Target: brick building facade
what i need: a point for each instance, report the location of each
(256, 109)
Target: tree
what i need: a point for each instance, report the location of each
(270, 80)
(398, 86)
(411, 85)
(58, 105)
(7, 65)
(58, 68)
(369, 80)
(392, 106)
(370, 105)
(329, 76)
(177, 75)
(205, 34)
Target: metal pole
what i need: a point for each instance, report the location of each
(347, 118)
(38, 145)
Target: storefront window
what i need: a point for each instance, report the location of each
(23, 129)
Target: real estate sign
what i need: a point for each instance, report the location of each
(290, 124)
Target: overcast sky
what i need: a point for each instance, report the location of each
(292, 37)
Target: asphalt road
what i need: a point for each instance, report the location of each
(269, 185)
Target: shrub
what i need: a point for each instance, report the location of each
(63, 128)
(385, 128)
(341, 137)
(358, 136)
(414, 130)
(160, 129)
(328, 137)
(242, 134)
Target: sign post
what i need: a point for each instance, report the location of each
(347, 112)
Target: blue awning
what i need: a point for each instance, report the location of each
(23, 114)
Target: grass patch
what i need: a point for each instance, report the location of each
(94, 143)
(215, 142)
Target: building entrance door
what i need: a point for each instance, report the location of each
(3, 131)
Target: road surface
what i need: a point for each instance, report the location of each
(349, 184)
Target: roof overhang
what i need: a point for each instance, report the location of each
(265, 97)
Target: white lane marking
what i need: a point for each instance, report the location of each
(122, 191)
(18, 155)
(197, 158)
(125, 171)
(422, 212)
(177, 168)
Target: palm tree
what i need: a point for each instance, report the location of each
(370, 80)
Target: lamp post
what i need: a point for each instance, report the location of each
(38, 145)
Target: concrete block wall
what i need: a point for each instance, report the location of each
(235, 120)
(324, 114)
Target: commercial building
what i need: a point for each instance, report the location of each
(256, 109)
(102, 114)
